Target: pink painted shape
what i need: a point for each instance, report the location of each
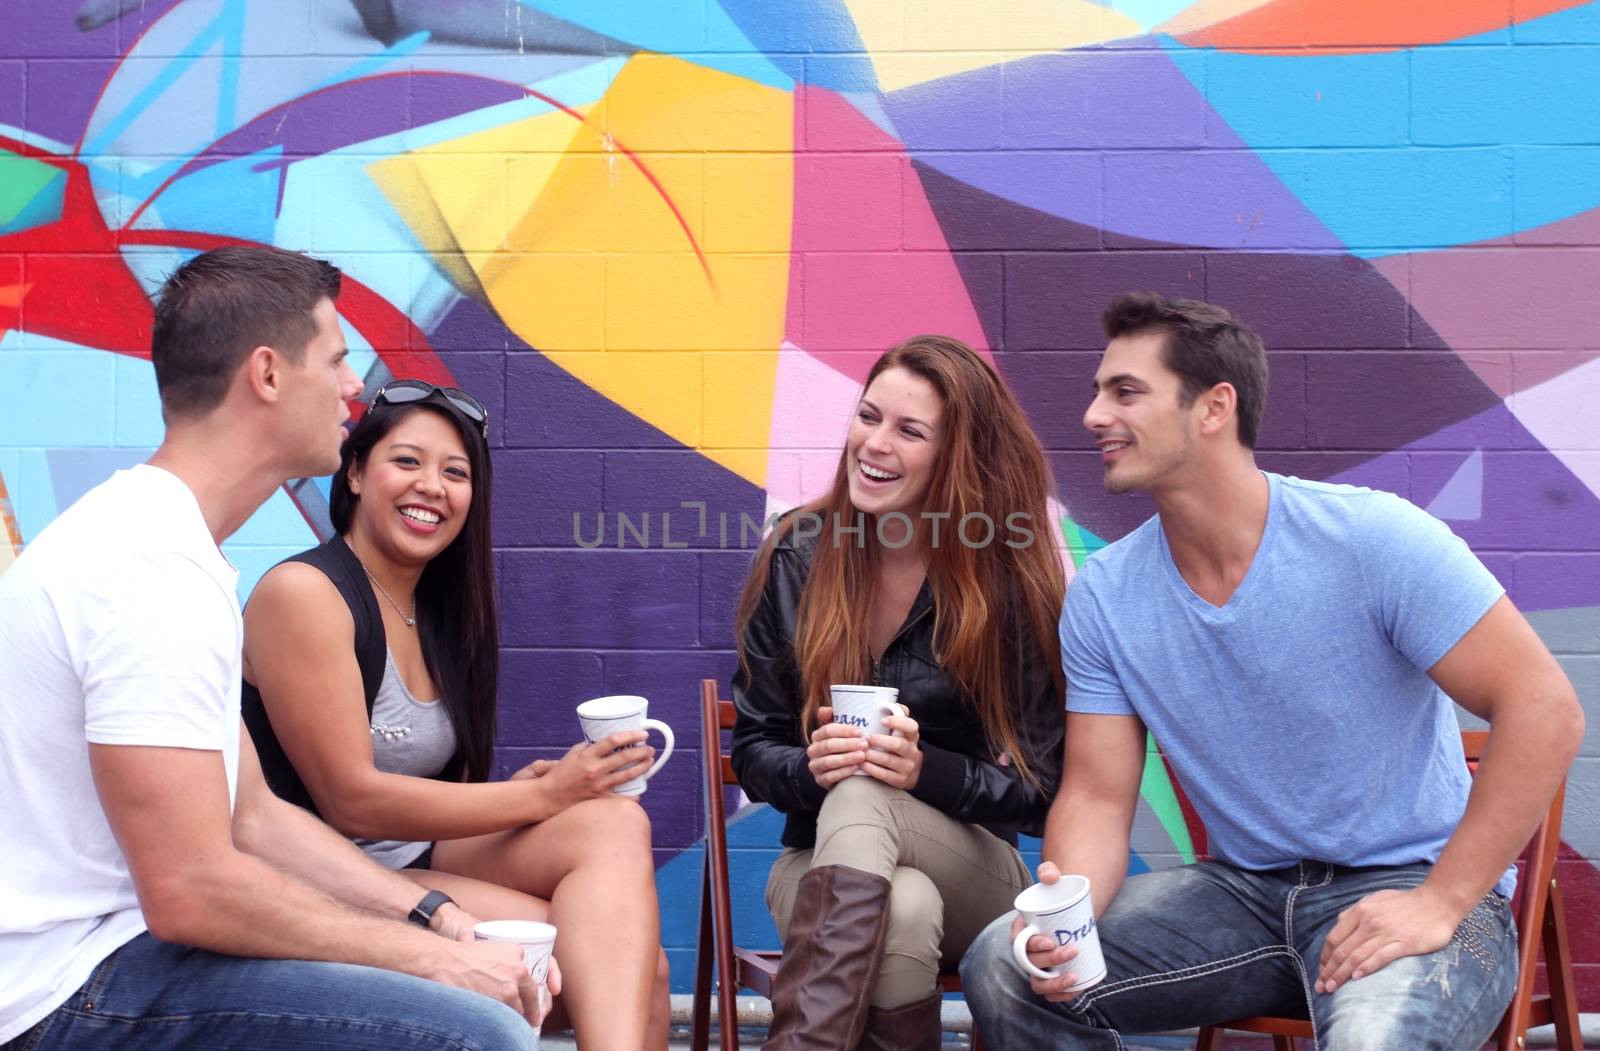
(853, 292)
(812, 402)
(1560, 413)
(811, 406)
(1503, 296)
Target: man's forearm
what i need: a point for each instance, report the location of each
(296, 842)
(240, 905)
(1526, 757)
(1087, 837)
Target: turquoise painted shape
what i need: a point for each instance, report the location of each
(1395, 169)
(138, 422)
(54, 394)
(1577, 25)
(33, 497)
(237, 197)
(253, 562)
(43, 207)
(1547, 178)
(1148, 13)
(1273, 101)
(814, 41)
(1480, 94)
(697, 31)
(74, 472)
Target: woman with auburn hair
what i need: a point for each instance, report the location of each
(932, 566)
(371, 665)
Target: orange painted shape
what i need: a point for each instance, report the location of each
(1288, 26)
(10, 535)
(11, 306)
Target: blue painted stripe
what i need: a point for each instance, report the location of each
(1404, 161)
(697, 31)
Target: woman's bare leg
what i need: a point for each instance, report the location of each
(593, 863)
(490, 901)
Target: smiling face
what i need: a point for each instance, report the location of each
(893, 443)
(415, 488)
(1144, 431)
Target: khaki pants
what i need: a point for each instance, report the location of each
(948, 879)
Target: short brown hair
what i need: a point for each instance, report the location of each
(222, 304)
(1206, 345)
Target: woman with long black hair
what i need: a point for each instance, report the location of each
(371, 665)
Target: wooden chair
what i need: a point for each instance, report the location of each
(737, 967)
(1541, 924)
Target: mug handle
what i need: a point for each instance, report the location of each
(1019, 952)
(666, 753)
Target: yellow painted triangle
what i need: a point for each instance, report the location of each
(911, 46)
(627, 273)
(1206, 13)
(401, 182)
(463, 195)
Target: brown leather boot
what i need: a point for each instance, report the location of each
(909, 1027)
(830, 959)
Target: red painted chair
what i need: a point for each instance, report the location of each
(737, 967)
(1540, 926)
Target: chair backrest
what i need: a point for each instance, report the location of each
(1533, 892)
(1534, 927)
(717, 716)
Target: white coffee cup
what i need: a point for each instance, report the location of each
(538, 941)
(1063, 912)
(865, 707)
(605, 716)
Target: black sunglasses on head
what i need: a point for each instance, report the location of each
(407, 392)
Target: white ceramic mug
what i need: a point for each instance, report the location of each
(538, 941)
(605, 716)
(865, 707)
(1063, 912)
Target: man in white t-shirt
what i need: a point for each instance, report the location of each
(155, 893)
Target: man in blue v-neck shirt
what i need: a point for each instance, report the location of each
(1294, 647)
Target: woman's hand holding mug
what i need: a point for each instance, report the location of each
(895, 758)
(590, 771)
(836, 751)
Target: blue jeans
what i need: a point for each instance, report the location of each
(1206, 943)
(153, 996)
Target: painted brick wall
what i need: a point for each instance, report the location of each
(663, 242)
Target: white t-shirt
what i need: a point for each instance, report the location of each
(119, 625)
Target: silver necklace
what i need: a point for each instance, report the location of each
(411, 621)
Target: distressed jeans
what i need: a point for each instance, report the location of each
(1206, 943)
(153, 996)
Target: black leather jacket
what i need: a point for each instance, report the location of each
(959, 775)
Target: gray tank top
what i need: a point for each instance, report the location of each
(408, 737)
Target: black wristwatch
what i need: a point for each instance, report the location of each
(422, 915)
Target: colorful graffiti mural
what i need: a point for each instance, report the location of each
(663, 242)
